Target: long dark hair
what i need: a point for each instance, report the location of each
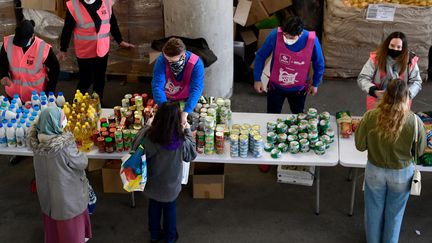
(382, 52)
(393, 110)
(166, 124)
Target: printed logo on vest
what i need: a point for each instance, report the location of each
(287, 78)
(301, 63)
(30, 62)
(171, 89)
(284, 59)
(103, 12)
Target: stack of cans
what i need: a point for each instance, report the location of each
(119, 141)
(209, 142)
(220, 143)
(200, 141)
(243, 145)
(127, 139)
(258, 147)
(234, 145)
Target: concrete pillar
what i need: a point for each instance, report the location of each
(213, 21)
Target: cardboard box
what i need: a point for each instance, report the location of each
(95, 164)
(262, 35)
(111, 177)
(208, 181)
(272, 6)
(242, 12)
(248, 36)
(300, 175)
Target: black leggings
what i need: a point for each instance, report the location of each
(92, 71)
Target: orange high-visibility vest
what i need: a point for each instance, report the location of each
(27, 71)
(88, 43)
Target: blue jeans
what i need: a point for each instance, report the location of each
(155, 211)
(386, 195)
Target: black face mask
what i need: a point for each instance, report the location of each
(394, 53)
(177, 67)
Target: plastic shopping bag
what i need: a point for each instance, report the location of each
(133, 171)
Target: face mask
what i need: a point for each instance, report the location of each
(290, 41)
(89, 1)
(177, 67)
(394, 53)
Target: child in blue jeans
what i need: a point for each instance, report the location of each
(167, 143)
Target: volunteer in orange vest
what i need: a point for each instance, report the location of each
(391, 60)
(91, 22)
(27, 63)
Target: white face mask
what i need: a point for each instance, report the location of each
(290, 41)
(89, 1)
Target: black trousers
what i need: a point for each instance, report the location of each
(276, 99)
(92, 71)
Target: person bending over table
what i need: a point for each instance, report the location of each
(178, 75)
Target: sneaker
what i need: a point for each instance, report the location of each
(264, 168)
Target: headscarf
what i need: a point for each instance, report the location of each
(49, 122)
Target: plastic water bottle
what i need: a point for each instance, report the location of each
(42, 94)
(32, 119)
(35, 100)
(37, 109)
(3, 139)
(34, 92)
(4, 122)
(51, 96)
(27, 128)
(10, 135)
(20, 136)
(6, 101)
(8, 115)
(61, 101)
(14, 123)
(44, 99)
(34, 113)
(13, 106)
(18, 100)
(43, 105)
(51, 102)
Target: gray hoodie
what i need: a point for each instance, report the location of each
(165, 167)
(62, 185)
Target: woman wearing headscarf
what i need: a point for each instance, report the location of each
(62, 185)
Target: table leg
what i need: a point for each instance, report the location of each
(132, 200)
(353, 191)
(317, 178)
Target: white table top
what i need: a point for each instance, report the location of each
(330, 158)
(349, 156)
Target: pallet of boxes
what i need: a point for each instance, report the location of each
(354, 28)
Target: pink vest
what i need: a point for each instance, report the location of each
(179, 90)
(290, 69)
(26, 70)
(88, 43)
(371, 102)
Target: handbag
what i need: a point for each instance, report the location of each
(92, 199)
(416, 180)
(133, 171)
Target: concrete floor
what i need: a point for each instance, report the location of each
(255, 209)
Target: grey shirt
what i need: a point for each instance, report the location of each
(62, 185)
(165, 167)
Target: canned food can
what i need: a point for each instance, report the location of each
(304, 145)
(325, 115)
(117, 112)
(227, 103)
(292, 131)
(236, 126)
(303, 135)
(125, 103)
(118, 135)
(139, 101)
(324, 125)
(271, 127)
(126, 134)
(291, 120)
(271, 137)
(312, 113)
(330, 132)
(319, 148)
(313, 136)
(281, 138)
(283, 147)
(268, 147)
(281, 128)
(294, 147)
(276, 153)
(326, 140)
(292, 138)
(301, 116)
